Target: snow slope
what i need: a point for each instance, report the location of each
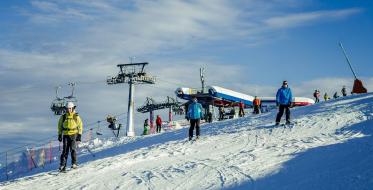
(329, 147)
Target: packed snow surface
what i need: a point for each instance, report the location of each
(330, 146)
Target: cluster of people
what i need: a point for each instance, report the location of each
(316, 95)
(70, 125)
(241, 113)
(284, 100)
(147, 128)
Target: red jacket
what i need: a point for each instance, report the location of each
(241, 105)
(256, 102)
(158, 121)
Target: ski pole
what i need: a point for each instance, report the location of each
(89, 150)
(32, 159)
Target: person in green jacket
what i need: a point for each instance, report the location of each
(326, 97)
(70, 129)
(146, 127)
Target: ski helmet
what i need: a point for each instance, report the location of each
(70, 105)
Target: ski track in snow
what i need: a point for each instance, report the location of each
(228, 153)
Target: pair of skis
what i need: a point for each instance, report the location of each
(290, 125)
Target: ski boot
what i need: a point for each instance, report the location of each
(74, 166)
(62, 169)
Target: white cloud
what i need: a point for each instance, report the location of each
(293, 20)
(117, 29)
(52, 12)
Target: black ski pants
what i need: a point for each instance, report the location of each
(256, 109)
(317, 99)
(69, 145)
(158, 128)
(221, 116)
(241, 113)
(283, 108)
(194, 123)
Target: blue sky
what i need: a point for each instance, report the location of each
(248, 46)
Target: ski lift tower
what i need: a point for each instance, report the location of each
(132, 73)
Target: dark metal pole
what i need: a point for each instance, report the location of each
(348, 60)
(202, 75)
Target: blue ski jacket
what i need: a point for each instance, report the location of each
(195, 111)
(284, 96)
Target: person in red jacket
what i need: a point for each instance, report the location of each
(158, 123)
(256, 103)
(241, 113)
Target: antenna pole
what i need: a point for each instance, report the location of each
(202, 75)
(348, 60)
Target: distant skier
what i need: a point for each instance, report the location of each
(146, 127)
(241, 113)
(221, 113)
(195, 115)
(256, 103)
(344, 91)
(70, 129)
(232, 113)
(158, 122)
(326, 97)
(335, 96)
(316, 95)
(284, 99)
(209, 117)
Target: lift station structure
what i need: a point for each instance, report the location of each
(132, 73)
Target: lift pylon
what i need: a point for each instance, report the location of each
(132, 73)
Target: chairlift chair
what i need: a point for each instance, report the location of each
(113, 125)
(98, 130)
(58, 104)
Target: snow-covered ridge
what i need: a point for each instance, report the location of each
(329, 147)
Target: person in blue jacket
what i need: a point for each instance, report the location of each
(284, 99)
(194, 115)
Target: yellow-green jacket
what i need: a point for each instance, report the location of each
(72, 125)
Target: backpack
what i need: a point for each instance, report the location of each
(75, 117)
